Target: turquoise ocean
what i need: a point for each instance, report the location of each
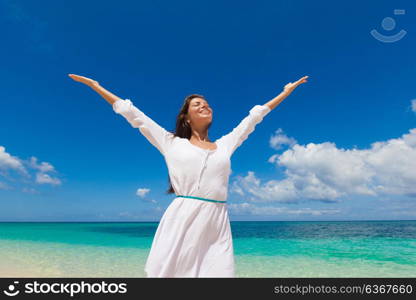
(262, 249)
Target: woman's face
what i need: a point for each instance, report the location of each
(199, 112)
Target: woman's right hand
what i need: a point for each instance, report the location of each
(85, 80)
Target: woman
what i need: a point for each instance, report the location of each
(193, 238)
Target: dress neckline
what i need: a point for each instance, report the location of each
(207, 150)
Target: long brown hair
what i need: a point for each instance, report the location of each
(183, 129)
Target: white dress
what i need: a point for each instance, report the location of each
(193, 238)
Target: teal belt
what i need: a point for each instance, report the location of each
(204, 199)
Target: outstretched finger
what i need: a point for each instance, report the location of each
(73, 76)
(302, 80)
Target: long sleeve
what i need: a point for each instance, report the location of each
(155, 134)
(240, 133)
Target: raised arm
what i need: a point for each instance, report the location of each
(155, 134)
(240, 133)
(107, 95)
(287, 90)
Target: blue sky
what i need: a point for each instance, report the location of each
(340, 147)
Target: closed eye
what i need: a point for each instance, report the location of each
(206, 105)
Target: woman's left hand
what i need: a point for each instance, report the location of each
(292, 85)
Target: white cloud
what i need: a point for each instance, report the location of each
(284, 191)
(43, 167)
(236, 188)
(43, 178)
(142, 192)
(13, 163)
(8, 162)
(280, 139)
(323, 172)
